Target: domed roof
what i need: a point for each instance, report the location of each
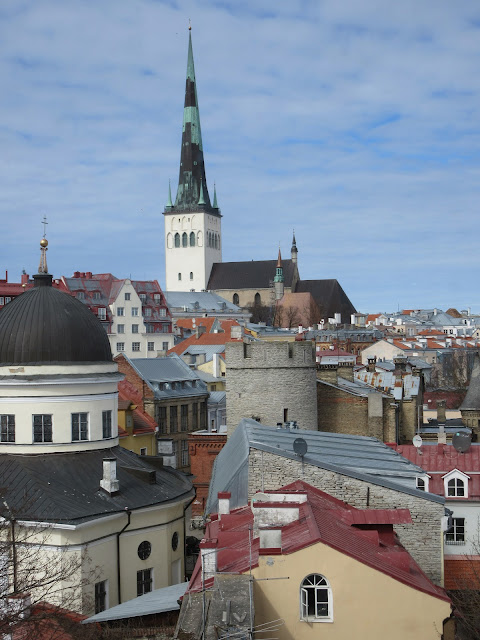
(45, 325)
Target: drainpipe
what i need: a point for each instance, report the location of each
(129, 514)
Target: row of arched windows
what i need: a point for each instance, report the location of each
(185, 240)
(213, 240)
(180, 275)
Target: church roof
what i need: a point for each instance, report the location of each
(472, 399)
(253, 274)
(65, 487)
(45, 325)
(329, 296)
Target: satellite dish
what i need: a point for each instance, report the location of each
(462, 440)
(417, 441)
(300, 446)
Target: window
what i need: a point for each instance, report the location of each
(235, 299)
(42, 427)
(147, 312)
(106, 424)
(144, 550)
(173, 419)
(157, 297)
(456, 534)
(135, 346)
(2, 300)
(134, 311)
(7, 428)
(195, 415)
(120, 311)
(177, 240)
(184, 417)
(162, 419)
(7, 299)
(120, 328)
(184, 453)
(127, 296)
(191, 275)
(79, 426)
(150, 346)
(316, 599)
(120, 346)
(162, 312)
(247, 350)
(100, 596)
(80, 295)
(143, 451)
(192, 239)
(144, 581)
(456, 488)
(134, 328)
(258, 299)
(165, 346)
(96, 295)
(179, 276)
(203, 415)
(149, 328)
(184, 240)
(421, 484)
(102, 313)
(142, 296)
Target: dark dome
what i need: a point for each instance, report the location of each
(46, 325)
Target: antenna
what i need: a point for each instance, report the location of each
(417, 443)
(462, 439)
(300, 447)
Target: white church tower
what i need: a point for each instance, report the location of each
(193, 231)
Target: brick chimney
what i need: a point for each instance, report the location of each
(441, 411)
(371, 362)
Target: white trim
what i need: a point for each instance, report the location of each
(455, 474)
(113, 378)
(39, 399)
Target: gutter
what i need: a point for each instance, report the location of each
(119, 582)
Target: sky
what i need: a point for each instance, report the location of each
(355, 123)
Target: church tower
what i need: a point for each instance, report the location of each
(192, 224)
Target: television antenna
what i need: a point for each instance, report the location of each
(300, 447)
(462, 439)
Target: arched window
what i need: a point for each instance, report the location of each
(191, 275)
(316, 599)
(184, 240)
(177, 240)
(216, 241)
(258, 298)
(235, 299)
(456, 488)
(179, 276)
(192, 239)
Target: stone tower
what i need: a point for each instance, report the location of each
(271, 382)
(192, 224)
(470, 407)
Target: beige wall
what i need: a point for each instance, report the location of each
(367, 604)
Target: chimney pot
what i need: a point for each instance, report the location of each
(109, 482)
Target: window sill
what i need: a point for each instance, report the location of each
(312, 619)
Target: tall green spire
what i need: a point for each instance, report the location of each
(169, 201)
(215, 204)
(192, 179)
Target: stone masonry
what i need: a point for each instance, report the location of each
(271, 382)
(423, 539)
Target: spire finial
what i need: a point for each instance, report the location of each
(189, 24)
(42, 267)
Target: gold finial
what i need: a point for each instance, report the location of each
(189, 24)
(42, 268)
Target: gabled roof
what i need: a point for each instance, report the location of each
(206, 338)
(142, 422)
(322, 519)
(360, 457)
(253, 274)
(329, 296)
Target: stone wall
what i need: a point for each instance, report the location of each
(271, 382)
(423, 539)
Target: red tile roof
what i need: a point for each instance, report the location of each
(142, 422)
(207, 338)
(324, 519)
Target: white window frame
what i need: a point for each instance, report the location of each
(457, 476)
(134, 328)
(134, 312)
(120, 346)
(107, 424)
(42, 441)
(305, 588)
(81, 413)
(150, 346)
(136, 347)
(456, 525)
(120, 328)
(120, 311)
(7, 428)
(425, 479)
(102, 313)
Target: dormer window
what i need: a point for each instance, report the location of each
(143, 296)
(456, 484)
(102, 313)
(422, 483)
(96, 295)
(80, 295)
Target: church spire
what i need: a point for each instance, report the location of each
(279, 280)
(192, 179)
(294, 250)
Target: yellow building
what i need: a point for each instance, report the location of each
(137, 431)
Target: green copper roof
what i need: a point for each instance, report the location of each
(215, 204)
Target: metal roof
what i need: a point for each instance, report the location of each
(169, 377)
(156, 601)
(360, 457)
(217, 397)
(199, 301)
(249, 274)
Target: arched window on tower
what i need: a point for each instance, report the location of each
(177, 240)
(192, 239)
(191, 275)
(179, 276)
(235, 299)
(258, 298)
(184, 240)
(216, 241)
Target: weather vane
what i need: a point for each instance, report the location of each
(44, 222)
(189, 24)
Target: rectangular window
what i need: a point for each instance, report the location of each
(134, 328)
(184, 453)
(143, 451)
(149, 328)
(173, 420)
(184, 417)
(134, 311)
(165, 346)
(102, 313)
(120, 346)
(119, 311)
(7, 428)
(100, 596)
(150, 346)
(162, 419)
(144, 581)
(106, 424)
(247, 350)
(142, 296)
(42, 427)
(147, 312)
(203, 415)
(2, 300)
(135, 346)
(456, 535)
(163, 312)
(79, 426)
(127, 296)
(120, 328)
(157, 297)
(195, 415)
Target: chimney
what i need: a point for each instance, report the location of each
(441, 411)
(109, 482)
(224, 503)
(208, 553)
(236, 332)
(200, 330)
(25, 277)
(270, 538)
(371, 362)
(442, 436)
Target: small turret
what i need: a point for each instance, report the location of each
(279, 280)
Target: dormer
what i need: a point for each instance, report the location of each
(455, 484)
(422, 482)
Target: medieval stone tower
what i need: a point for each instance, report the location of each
(193, 233)
(271, 382)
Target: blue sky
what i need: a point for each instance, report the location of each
(356, 123)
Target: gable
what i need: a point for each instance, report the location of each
(253, 274)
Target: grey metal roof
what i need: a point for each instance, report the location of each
(472, 398)
(250, 274)
(207, 349)
(169, 377)
(359, 457)
(199, 301)
(65, 487)
(156, 601)
(217, 397)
